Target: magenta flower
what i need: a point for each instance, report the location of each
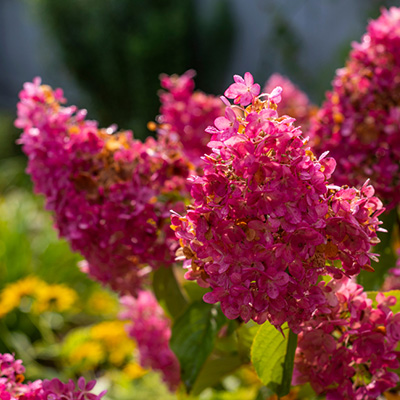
(293, 102)
(56, 390)
(243, 91)
(360, 118)
(265, 223)
(347, 350)
(12, 385)
(185, 114)
(110, 194)
(227, 125)
(151, 330)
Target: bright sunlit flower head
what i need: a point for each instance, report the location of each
(265, 223)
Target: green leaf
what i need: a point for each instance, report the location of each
(396, 293)
(214, 369)
(193, 338)
(194, 291)
(272, 355)
(245, 336)
(168, 292)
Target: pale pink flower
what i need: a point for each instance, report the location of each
(243, 91)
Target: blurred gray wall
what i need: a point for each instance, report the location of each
(26, 52)
(317, 28)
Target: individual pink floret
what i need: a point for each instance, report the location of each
(265, 223)
(110, 194)
(348, 350)
(243, 91)
(151, 330)
(359, 122)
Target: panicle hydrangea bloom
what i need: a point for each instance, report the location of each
(185, 114)
(294, 103)
(265, 224)
(13, 388)
(110, 194)
(151, 330)
(359, 123)
(347, 351)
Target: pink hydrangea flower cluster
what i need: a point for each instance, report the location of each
(294, 103)
(151, 330)
(12, 386)
(359, 123)
(110, 194)
(348, 352)
(265, 224)
(185, 114)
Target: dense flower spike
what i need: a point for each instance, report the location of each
(151, 330)
(359, 123)
(347, 352)
(185, 114)
(110, 193)
(294, 103)
(13, 388)
(265, 224)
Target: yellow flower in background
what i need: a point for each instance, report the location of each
(88, 354)
(57, 297)
(134, 371)
(113, 336)
(14, 292)
(88, 347)
(101, 303)
(45, 297)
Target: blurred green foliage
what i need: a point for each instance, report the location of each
(116, 50)
(9, 135)
(28, 241)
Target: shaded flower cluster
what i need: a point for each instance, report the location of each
(265, 224)
(359, 123)
(13, 388)
(110, 193)
(151, 329)
(294, 103)
(347, 352)
(185, 114)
